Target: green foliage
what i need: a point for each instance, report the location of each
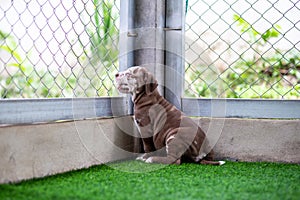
(234, 180)
(202, 82)
(21, 79)
(271, 76)
(103, 33)
(24, 80)
(9, 45)
(255, 38)
(260, 76)
(101, 60)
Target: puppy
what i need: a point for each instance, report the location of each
(169, 137)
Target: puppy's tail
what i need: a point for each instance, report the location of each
(209, 162)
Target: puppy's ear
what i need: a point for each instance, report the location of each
(150, 82)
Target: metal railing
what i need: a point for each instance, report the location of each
(58, 48)
(243, 49)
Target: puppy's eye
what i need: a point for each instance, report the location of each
(128, 75)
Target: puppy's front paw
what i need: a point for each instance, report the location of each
(149, 160)
(163, 160)
(141, 158)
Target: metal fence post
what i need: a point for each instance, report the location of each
(149, 21)
(174, 33)
(126, 41)
(158, 43)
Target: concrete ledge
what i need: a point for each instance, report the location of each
(39, 150)
(255, 139)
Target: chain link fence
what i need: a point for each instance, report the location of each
(234, 49)
(58, 48)
(243, 49)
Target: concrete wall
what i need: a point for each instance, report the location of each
(40, 150)
(255, 139)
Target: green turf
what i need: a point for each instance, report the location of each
(234, 180)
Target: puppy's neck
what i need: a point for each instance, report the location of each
(136, 97)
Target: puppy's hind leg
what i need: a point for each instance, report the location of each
(208, 160)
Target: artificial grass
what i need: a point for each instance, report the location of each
(137, 180)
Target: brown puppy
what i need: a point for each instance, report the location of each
(168, 135)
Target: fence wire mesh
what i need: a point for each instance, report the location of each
(240, 49)
(58, 48)
(243, 49)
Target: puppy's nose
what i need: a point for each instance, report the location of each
(117, 75)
